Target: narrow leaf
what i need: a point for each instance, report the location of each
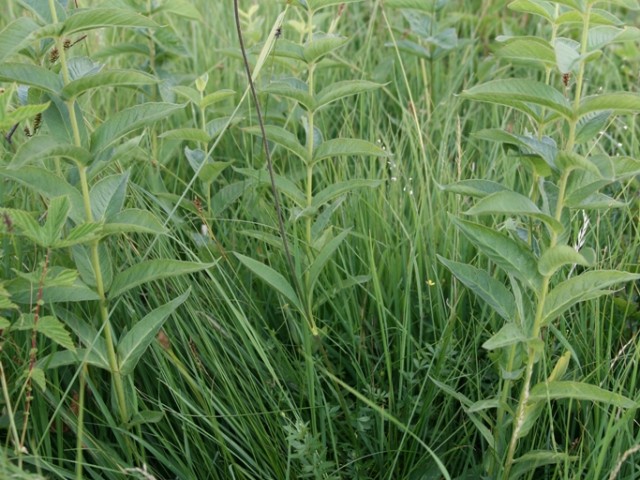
(16, 36)
(137, 340)
(554, 258)
(283, 184)
(134, 220)
(107, 196)
(324, 256)
(151, 270)
(509, 334)
(41, 147)
(67, 357)
(321, 44)
(474, 187)
(347, 146)
(32, 75)
(110, 78)
(283, 138)
(339, 188)
(343, 89)
(272, 278)
(620, 102)
(559, 390)
(92, 18)
(535, 459)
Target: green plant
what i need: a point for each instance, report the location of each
(86, 207)
(567, 170)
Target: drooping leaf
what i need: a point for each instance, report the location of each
(322, 44)
(216, 97)
(535, 7)
(512, 92)
(128, 120)
(347, 146)
(137, 340)
(293, 89)
(507, 202)
(15, 36)
(283, 138)
(559, 390)
(56, 218)
(24, 292)
(146, 417)
(527, 49)
(567, 53)
(21, 114)
(109, 78)
(82, 257)
(152, 270)
(510, 255)
(343, 89)
(619, 102)
(271, 278)
(324, 256)
(493, 292)
(132, 220)
(64, 358)
(337, 189)
(41, 147)
(536, 459)
(108, 195)
(474, 187)
(96, 17)
(544, 147)
(32, 75)
(556, 257)
(189, 134)
(586, 286)
(283, 184)
(509, 334)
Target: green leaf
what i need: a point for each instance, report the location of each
(293, 89)
(586, 286)
(272, 278)
(67, 357)
(108, 195)
(527, 49)
(32, 75)
(132, 220)
(556, 257)
(137, 340)
(283, 184)
(283, 138)
(343, 89)
(324, 256)
(544, 147)
(590, 125)
(183, 8)
(189, 134)
(27, 226)
(151, 270)
(510, 255)
(559, 390)
(322, 44)
(126, 121)
(15, 36)
(536, 459)
(56, 219)
(110, 78)
(84, 263)
(512, 92)
(427, 6)
(318, 4)
(42, 147)
(216, 97)
(347, 146)
(210, 170)
(620, 102)
(20, 114)
(474, 187)
(494, 293)
(509, 334)
(535, 7)
(146, 417)
(334, 190)
(24, 292)
(54, 329)
(92, 18)
(507, 202)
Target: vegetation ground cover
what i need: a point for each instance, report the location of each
(418, 260)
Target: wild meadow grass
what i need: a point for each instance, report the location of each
(361, 355)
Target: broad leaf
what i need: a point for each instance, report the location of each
(67, 357)
(137, 340)
(324, 256)
(474, 187)
(585, 286)
(32, 75)
(16, 36)
(509, 334)
(134, 220)
(559, 390)
(293, 89)
(343, 89)
(427, 6)
(152, 270)
(536, 459)
(536, 7)
(283, 138)
(340, 188)
(110, 78)
(322, 44)
(49, 326)
(527, 49)
(283, 184)
(42, 147)
(189, 134)
(493, 292)
(511, 92)
(556, 257)
(620, 102)
(346, 146)
(318, 4)
(82, 257)
(128, 120)
(92, 18)
(56, 218)
(108, 195)
(510, 255)
(272, 278)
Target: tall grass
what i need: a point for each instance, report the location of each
(224, 391)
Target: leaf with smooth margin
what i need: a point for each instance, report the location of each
(545, 147)
(535, 7)
(596, 201)
(49, 185)
(620, 102)
(297, 91)
(82, 257)
(508, 202)
(597, 17)
(109, 78)
(189, 93)
(567, 53)
(65, 358)
(125, 121)
(347, 146)
(132, 220)
(586, 286)
(336, 189)
(108, 195)
(324, 256)
(152, 270)
(511, 92)
(556, 257)
(591, 124)
(536, 459)
(32, 75)
(630, 4)
(49, 326)
(604, 35)
(569, 161)
(575, 4)
(42, 147)
(509, 334)
(57, 215)
(188, 134)
(271, 278)
(493, 292)
(28, 226)
(20, 114)
(560, 390)
(85, 332)
(343, 89)
(133, 345)
(427, 6)
(92, 18)
(183, 8)
(283, 184)
(288, 49)
(318, 4)
(216, 97)
(145, 417)
(527, 49)
(474, 187)
(25, 292)
(16, 36)
(510, 255)
(282, 137)
(322, 44)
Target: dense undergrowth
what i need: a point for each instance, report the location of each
(154, 324)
